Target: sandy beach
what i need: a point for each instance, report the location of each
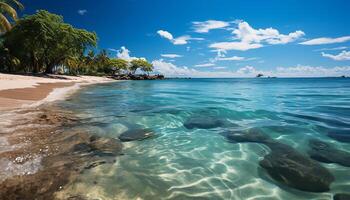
(18, 91)
(36, 154)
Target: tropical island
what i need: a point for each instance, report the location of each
(59, 48)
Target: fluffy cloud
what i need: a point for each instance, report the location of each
(240, 46)
(325, 40)
(171, 55)
(247, 34)
(206, 26)
(82, 12)
(344, 55)
(171, 70)
(124, 53)
(165, 34)
(176, 41)
(249, 38)
(205, 65)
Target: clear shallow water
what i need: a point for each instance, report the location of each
(182, 163)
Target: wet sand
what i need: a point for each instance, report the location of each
(14, 98)
(17, 91)
(42, 148)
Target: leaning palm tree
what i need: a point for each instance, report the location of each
(7, 10)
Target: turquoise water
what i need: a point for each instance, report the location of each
(200, 163)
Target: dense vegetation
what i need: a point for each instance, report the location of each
(43, 43)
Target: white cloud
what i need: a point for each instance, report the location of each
(248, 34)
(124, 53)
(206, 26)
(205, 65)
(240, 46)
(171, 55)
(233, 58)
(183, 39)
(171, 70)
(331, 49)
(176, 41)
(220, 53)
(82, 12)
(249, 38)
(344, 55)
(165, 34)
(325, 40)
(247, 70)
(221, 56)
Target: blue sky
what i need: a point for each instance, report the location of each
(203, 38)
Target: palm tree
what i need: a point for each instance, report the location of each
(7, 10)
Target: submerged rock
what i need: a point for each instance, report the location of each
(203, 123)
(291, 168)
(342, 196)
(135, 134)
(106, 146)
(324, 152)
(58, 154)
(340, 135)
(98, 146)
(286, 165)
(251, 135)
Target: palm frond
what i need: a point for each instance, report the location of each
(15, 3)
(4, 23)
(6, 8)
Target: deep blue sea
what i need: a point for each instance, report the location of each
(191, 157)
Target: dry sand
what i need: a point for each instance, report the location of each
(21, 90)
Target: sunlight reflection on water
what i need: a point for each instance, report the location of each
(200, 163)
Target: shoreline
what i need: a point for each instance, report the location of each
(37, 153)
(22, 91)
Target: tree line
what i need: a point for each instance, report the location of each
(44, 43)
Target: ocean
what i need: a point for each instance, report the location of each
(218, 138)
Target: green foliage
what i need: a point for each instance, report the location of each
(8, 62)
(76, 65)
(116, 65)
(43, 41)
(142, 64)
